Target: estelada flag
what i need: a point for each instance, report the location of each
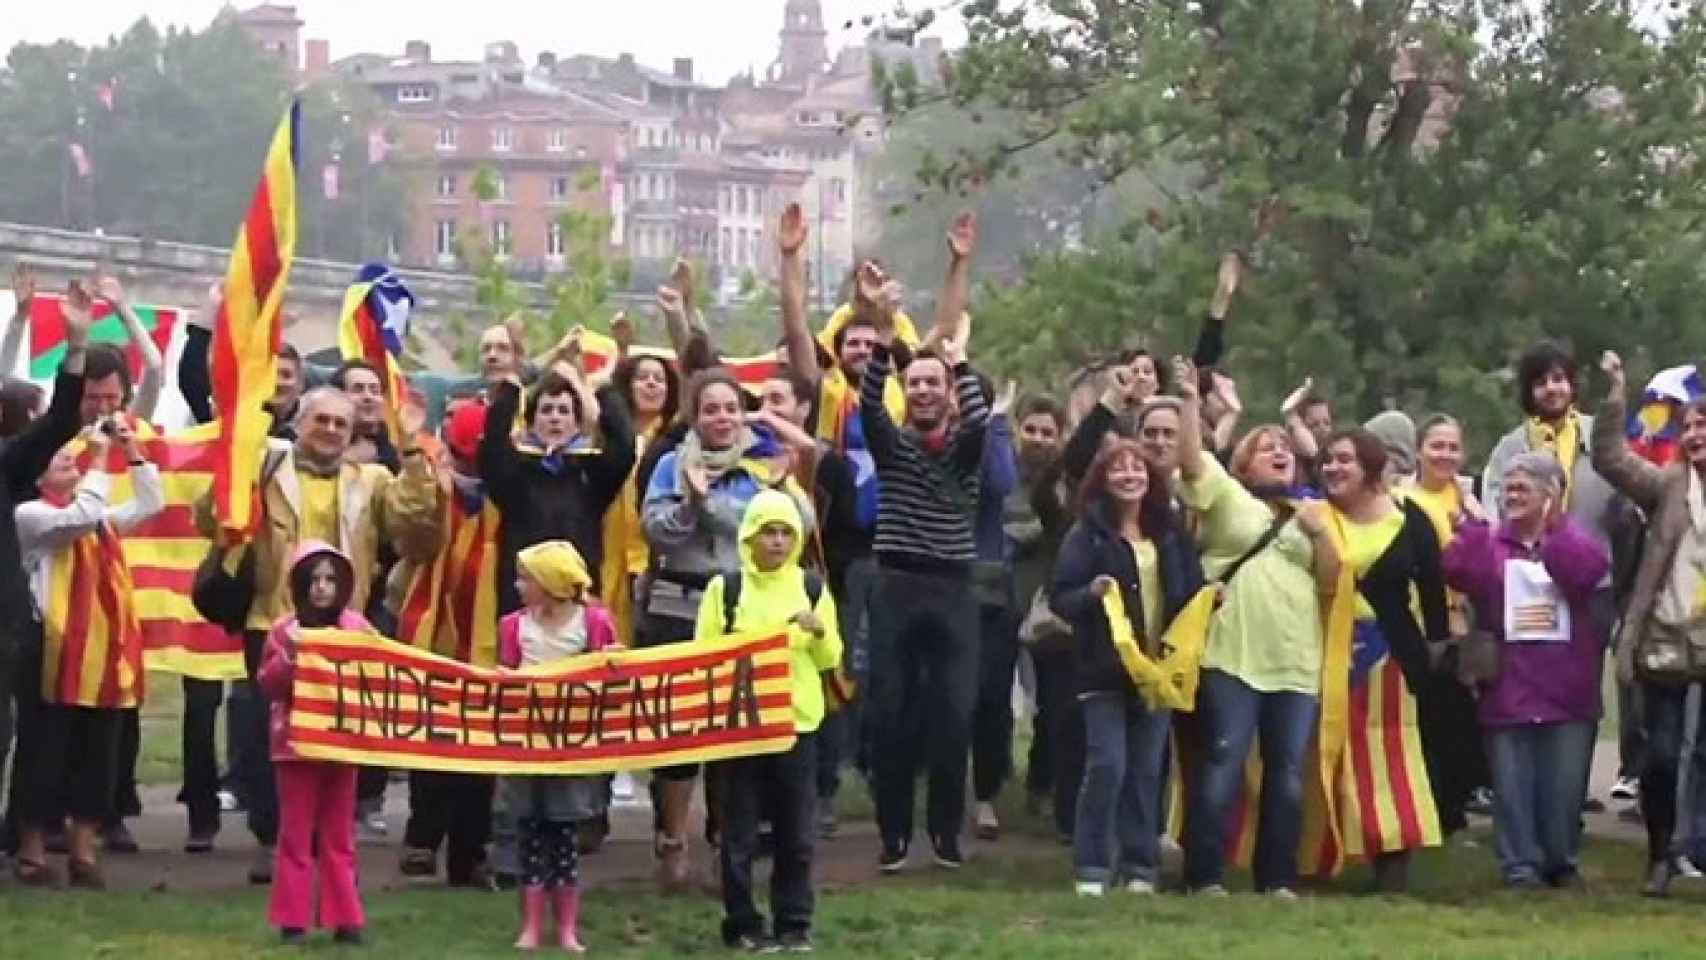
(47, 333)
(246, 334)
(374, 327)
(599, 351)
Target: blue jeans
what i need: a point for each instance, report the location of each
(1540, 774)
(1120, 800)
(1231, 713)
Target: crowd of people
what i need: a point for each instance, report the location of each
(1370, 650)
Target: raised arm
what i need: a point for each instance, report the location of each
(675, 302)
(195, 382)
(1632, 476)
(148, 495)
(30, 452)
(1291, 411)
(153, 364)
(1190, 419)
(1000, 465)
(609, 469)
(1211, 339)
(411, 503)
(500, 463)
(881, 435)
(796, 334)
(952, 321)
(24, 293)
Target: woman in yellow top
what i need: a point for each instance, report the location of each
(1457, 758)
(653, 391)
(1385, 804)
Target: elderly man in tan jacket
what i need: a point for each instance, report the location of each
(311, 492)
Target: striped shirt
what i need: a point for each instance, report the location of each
(925, 502)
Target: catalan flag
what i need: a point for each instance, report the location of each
(246, 333)
(92, 643)
(451, 605)
(163, 551)
(374, 327)
(599, 351)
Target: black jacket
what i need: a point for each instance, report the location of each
(196, 385)
(1094, 548)
(539, 505)
(23, 460)
(1412, 558)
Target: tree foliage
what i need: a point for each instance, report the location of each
(178, 154)
(1418, 189)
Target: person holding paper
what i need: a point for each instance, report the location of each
(1532, 578)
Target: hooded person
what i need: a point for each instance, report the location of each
(316, 835)
(1397, 433)
(772, 590)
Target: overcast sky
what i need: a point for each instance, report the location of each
(723, 37)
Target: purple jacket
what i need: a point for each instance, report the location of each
(1538, 683)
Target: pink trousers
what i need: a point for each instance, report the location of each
(315, 797)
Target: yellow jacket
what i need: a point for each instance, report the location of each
(769, 599)
(371, 504)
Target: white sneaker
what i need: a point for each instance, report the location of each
(1141, 887)
(371, 828)
(1283, 893)
(1212, 890)
(988, 825)
(1627, 789)
(622, 788)
(1686, 870)
(1090, 888)
(228, 802)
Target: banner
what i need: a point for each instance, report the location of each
(47, 333)
(363, 699)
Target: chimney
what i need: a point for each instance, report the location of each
(417, 51)
(625, 61)
(316, 58)
(684, 69)
(547, 61)
(503, 51)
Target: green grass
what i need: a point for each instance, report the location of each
(1014, 903)
(996, 908)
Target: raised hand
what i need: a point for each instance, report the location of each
(872, 282)
(962, 236)
(1612, 364)
(1226, 389)
(622, 331)
(411, 421)
(670, 302)
(110, 289)
(791, 232)
(79, 315)
(1004, 403)
(1226, 284)
(1185, 379)
(698, 482)
(23, 287)
(953, 352)
(1295, 398)
(681, 278)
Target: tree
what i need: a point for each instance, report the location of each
(1418, 190)
(177, 154)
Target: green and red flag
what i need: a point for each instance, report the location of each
(47, 333)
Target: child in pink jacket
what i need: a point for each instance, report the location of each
(315, 797)
(557, 620)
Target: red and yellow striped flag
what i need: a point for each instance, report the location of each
(246, 333)
(451, 607)
(92, 643)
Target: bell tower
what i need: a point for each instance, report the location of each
(805, 47)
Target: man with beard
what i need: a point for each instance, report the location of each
(923, 631)
(1546, 390)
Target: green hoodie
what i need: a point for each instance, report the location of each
(769, 600)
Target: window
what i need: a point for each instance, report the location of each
(656, 184)
(444, 239)
(414, 93)
(559, 188)
(740, 248)
(724, 251)
(838, 190)
(503, 138)
(554, 239)
(806, 118)
(725, 201)
(753, 258)
(500, 238)
(447, 185)
(740, 201)
(557, 141)
(447, 138)
(500, 188)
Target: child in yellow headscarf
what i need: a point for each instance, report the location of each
(557, 620)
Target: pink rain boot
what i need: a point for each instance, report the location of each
(532, 917)
(568, 902)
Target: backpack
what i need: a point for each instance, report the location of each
(731, 595)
